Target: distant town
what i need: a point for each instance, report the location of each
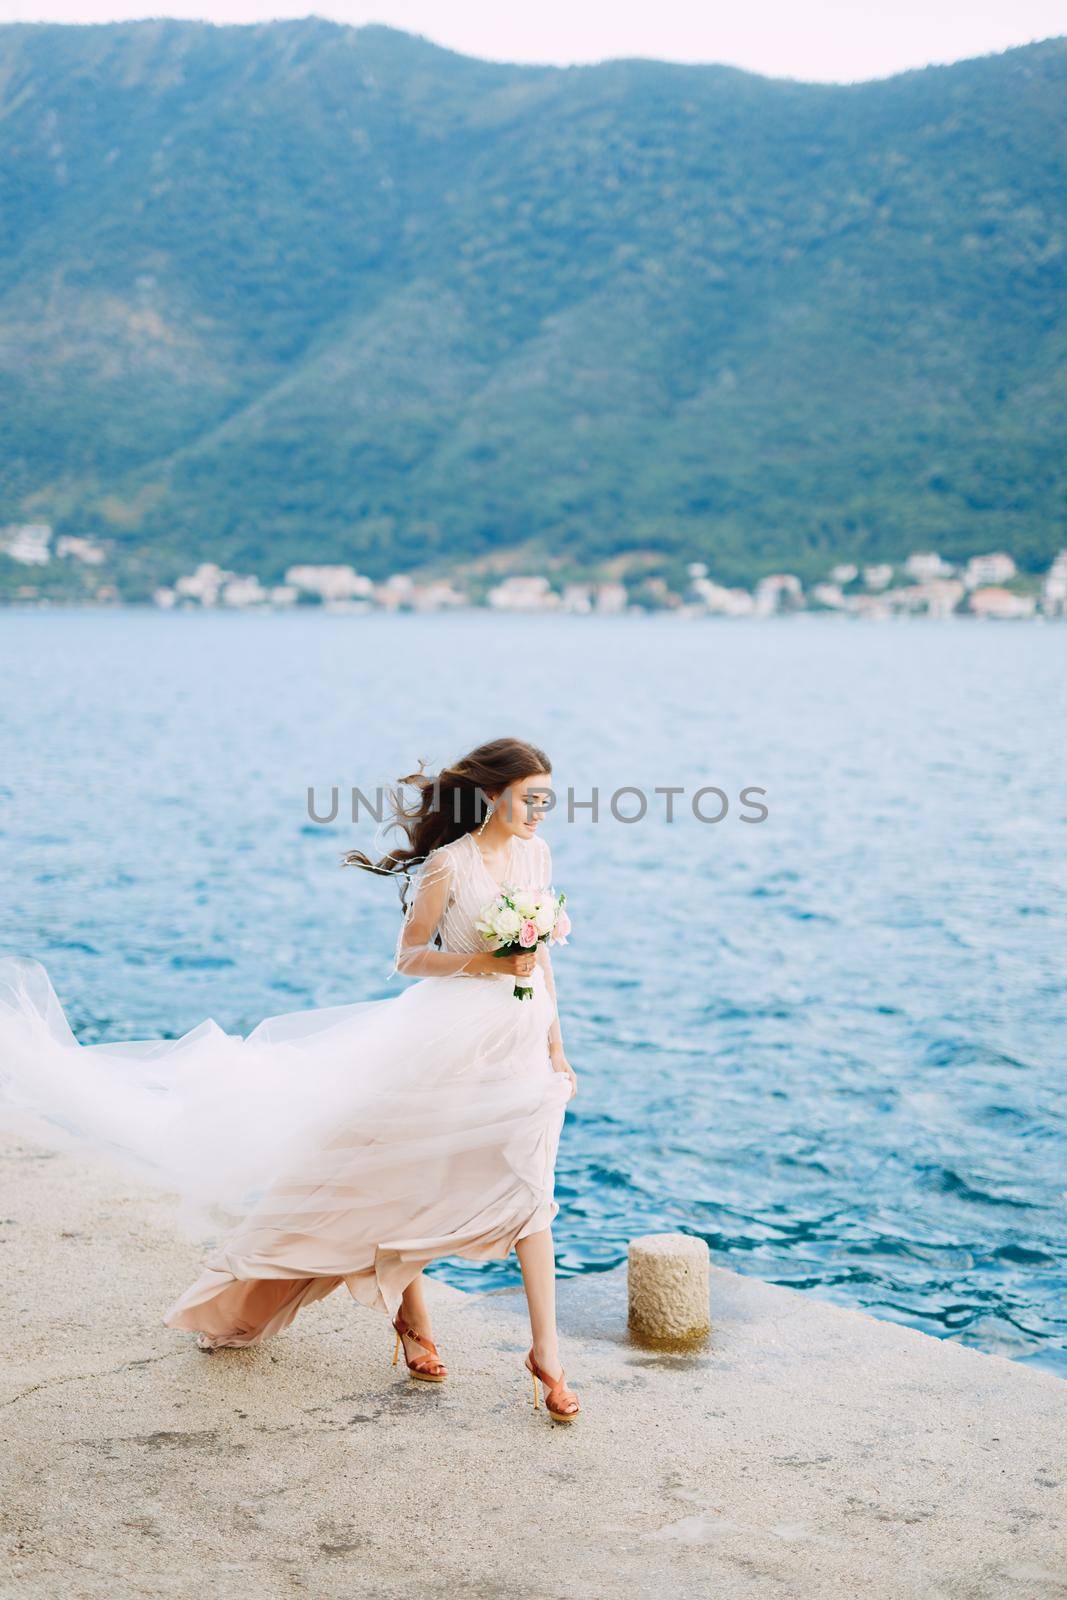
(985, 586)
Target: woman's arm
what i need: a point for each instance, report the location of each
(556, 1052)
(416, 957)
(544, 960)
(555, 1032)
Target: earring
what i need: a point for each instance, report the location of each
(485, 819)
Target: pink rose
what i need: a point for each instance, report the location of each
(528, 934)
(562, 928)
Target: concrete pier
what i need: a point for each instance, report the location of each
(802, 1453)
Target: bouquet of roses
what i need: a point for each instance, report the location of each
(521, 919)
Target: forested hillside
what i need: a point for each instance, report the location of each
(306, 291)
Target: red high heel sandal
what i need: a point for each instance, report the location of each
(429, 1368)
(557, 1395)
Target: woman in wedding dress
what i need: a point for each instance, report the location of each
(375, 1137)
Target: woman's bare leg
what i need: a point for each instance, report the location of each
(537, 1258)
(416, 1314)
(414, 1308)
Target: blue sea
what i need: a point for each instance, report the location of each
(830, 1042)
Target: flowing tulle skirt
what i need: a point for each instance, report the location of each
(355, 1144)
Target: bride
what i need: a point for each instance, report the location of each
(374, 1137)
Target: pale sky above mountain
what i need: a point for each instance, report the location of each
(829, 40)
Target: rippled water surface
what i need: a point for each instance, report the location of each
(831, 1043)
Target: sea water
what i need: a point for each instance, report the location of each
(829, 1040)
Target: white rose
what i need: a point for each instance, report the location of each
(545, 916)
(508, 923)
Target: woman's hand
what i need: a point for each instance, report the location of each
(561, 1064)
(519, 966)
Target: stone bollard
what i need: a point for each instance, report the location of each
(668, 1286)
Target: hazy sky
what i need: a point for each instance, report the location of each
(836, 40)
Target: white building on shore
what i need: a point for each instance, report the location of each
(243, 590)
(997, 568)
(780, 591)
(940, 597)
(577, 598)
(437, 595)
(397, 590)
(721, 601)
(27, 542)
(937, 597)
(203, 585)
(611, 599)
(330, 582)
(87, 551)
(1054, 588)
(1001, 604)
(520, 593)
(926, 565)
(879, 576)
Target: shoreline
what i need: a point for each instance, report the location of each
(804, 1449)
(629, 613)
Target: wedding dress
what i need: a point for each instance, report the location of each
(356, 1143)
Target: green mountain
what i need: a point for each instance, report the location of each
(303, 291)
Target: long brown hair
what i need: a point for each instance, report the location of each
(451, 803)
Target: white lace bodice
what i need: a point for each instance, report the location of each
(474, 888)
(454, 887)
